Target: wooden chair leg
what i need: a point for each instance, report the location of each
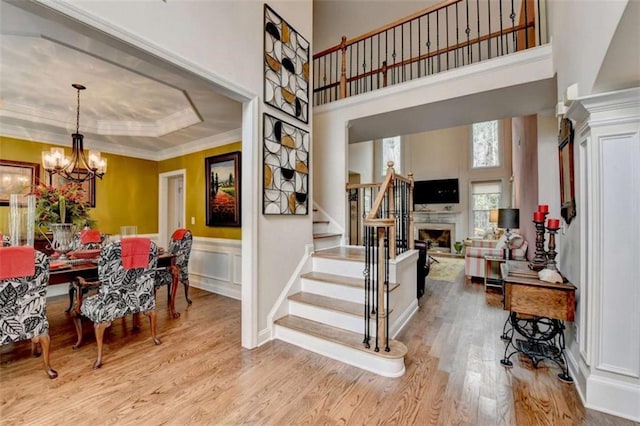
(152, 322)
(78, 324)
(45, 341)
(136, 321)
(99, 330)
(186, 291)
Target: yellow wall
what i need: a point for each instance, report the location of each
(126, 195)
(195, 190)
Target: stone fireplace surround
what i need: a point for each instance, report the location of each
(438, 220)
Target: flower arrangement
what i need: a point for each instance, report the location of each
(61, 205)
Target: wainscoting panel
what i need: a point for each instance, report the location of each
(216, 266)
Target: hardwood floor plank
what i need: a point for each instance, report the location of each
(201, 375)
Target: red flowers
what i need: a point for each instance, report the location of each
(61, 205)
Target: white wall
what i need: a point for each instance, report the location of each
(361, 161)
(581, 32)
(222, 41)
(331, 121)
(441, 154)
(333, 19)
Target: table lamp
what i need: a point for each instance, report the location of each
(508, 219)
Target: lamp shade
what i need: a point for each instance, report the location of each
(509, 218)
(493, 216)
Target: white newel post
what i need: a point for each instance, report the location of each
(606, 343)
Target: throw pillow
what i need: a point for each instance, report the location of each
(516, 241)
(502, 242)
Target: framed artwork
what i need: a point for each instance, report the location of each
(88, 186)
(222, 174)
(17, 177)
(285, 169)
(567, 188)
(286, 67)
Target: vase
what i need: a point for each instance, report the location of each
(458, 246)
(62, 241)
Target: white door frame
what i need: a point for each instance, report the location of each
(250, 147)
(163, 203)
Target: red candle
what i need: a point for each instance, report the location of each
(553, 223)
(543, 208)
(538, 217)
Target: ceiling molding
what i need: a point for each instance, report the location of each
(201, 144)
(44, 137)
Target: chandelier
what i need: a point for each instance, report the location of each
(78, 168)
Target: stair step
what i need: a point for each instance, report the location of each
(340, 336)
(340, 279)
(331, 303)
(355, 254)
(325, 235)
(328, 303)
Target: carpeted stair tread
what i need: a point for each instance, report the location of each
(339, 279)
(340, 336)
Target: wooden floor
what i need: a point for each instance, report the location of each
(201, 375)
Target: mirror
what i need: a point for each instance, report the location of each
(567, 188)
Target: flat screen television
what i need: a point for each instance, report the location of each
(439, 191)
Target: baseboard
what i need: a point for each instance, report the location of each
(264, 336)
(213, 285)
(58, 290)
(613, 397)
(404, 318)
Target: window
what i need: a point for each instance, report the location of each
(486, 146)
(485, 196)
(391, 152)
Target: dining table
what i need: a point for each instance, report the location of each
(82, 276)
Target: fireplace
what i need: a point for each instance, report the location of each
(441, 235)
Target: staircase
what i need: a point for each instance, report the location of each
(326, 315)
(323, 234)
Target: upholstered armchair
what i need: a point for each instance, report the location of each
(474, 264)
(180, 246)
(5, 241)
(126, 271)
(87, 239)
(24, 275)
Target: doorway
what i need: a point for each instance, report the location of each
(171, 205)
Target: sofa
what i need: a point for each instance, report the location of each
(477, 249)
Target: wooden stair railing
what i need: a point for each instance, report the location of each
(388, 231)
(444, 36)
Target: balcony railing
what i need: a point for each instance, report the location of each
(445, 36)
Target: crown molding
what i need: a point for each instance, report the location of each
(201, 144)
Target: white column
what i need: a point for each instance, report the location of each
(606, 347)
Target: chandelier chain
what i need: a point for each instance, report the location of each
(78, 114)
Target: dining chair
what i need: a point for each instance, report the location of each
(87, 239)
(126, 271)
(24, 275)
(180, 246)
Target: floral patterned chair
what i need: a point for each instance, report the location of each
(180, 246)
(5, 241)
(126, 271)
(24, 275)
(87, 239)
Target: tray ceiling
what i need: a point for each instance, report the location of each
(135, 104)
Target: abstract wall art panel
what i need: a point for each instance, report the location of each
(286, 168)
(286, 67)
